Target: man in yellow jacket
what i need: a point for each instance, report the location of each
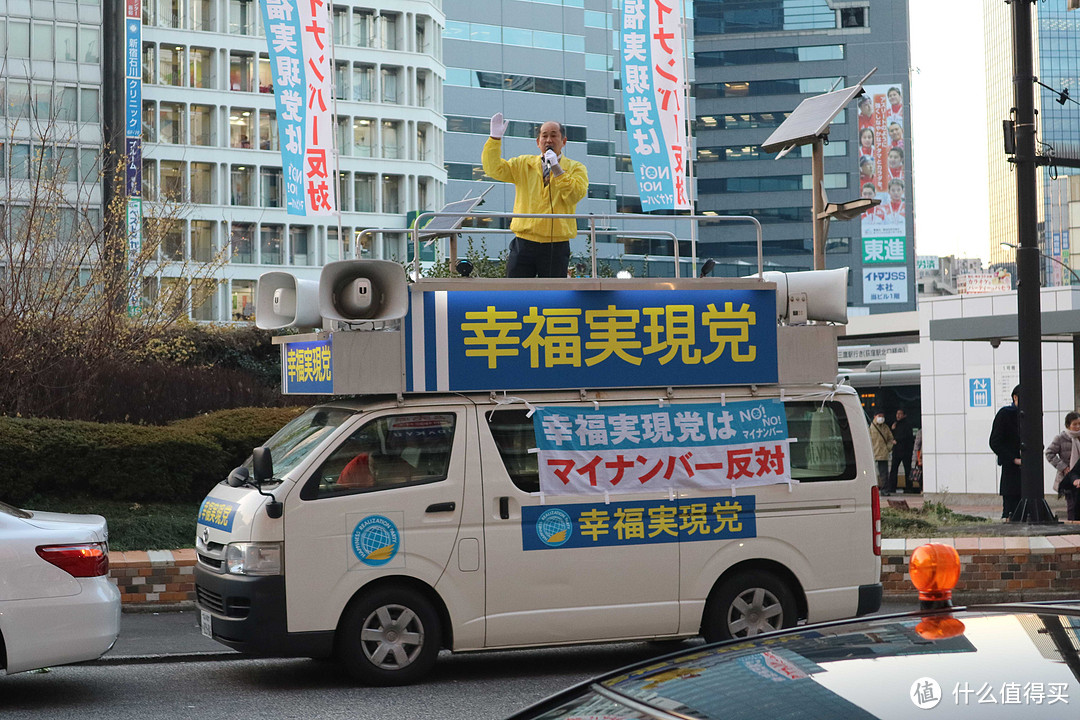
(547, 182)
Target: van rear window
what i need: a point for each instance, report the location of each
(822, 448)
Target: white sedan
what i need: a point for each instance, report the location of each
(57, 604)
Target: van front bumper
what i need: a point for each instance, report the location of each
(249, 615)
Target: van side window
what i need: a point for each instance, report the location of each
(388, 452)
(823, 449)
(514, 436)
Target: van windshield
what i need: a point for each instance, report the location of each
(292, 443)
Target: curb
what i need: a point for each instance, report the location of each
(169, 658)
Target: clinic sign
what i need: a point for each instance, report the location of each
(299, 44)
(654, 100)
(517, 340)
(645, 448)
(133, 145)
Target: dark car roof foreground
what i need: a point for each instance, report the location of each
(981, 661)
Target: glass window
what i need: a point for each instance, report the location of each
(89, 109)
(241, 72)
(341, 80)
(18, 99)
(201, 60)
(514, 437)
(202, 123)
(171, 13)
(241, 241)
(42, 45)
(149, 120)
(89, 44)
(388, 452)
(241, 127)
(43, 98)
(67, 105)
(202, 15)
(67, 48)
(390, 86)
(202, 184)
(266, 78)
(171, 123)
(241, 17)
(173, 182)
(18, 38)
(204, 300)
(518, 37)
(388, 30)
(20, 161)
(391, 194)
(171, 65)
(89, 165)
(172, 238)
(243, 299)
(361, 28)
(67, 164)
(268, 130)
(341, 25)
(149, 63)
(149, 12)
(823, 449)
(243, 185)
(364, 192)
(363, 136)
(300, 249)
(364, 83)
(270, 187)
(270, 239)
(391, 140)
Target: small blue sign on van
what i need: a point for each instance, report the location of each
(306, 368)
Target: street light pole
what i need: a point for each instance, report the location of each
(1033, 507)
(1048, 257)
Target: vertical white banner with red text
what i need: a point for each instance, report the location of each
(319, 166)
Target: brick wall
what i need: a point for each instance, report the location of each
(995, 569)
(156, 577)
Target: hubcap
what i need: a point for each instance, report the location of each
(754, 611)
(392, 637)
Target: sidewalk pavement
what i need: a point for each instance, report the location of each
(171, 633)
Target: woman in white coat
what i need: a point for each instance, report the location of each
(1063, 453)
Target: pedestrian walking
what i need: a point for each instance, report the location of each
(1005, 442)
(881, 440)
(1063, 453)
(901, 453)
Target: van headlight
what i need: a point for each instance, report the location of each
(253, 558)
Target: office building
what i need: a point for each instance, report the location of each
(755, 62)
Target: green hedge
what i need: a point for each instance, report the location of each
(172, 463)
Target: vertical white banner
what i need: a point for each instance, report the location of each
(319, 166)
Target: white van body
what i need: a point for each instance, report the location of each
(391, 526)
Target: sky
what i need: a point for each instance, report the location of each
(949, 128)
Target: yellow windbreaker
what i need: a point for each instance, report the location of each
(560, 197)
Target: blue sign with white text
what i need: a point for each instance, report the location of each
(979, 392)
(643, 522)
(510, 340)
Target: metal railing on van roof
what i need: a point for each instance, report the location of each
(418, 231)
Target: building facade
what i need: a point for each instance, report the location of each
(755, 62)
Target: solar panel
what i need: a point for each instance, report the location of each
(441, 226)
(811, 119)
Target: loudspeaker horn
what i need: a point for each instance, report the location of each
(825, 290)
(363, 290)
(282, 300)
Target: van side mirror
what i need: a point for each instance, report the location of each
(262, 464)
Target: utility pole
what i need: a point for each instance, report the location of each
(1033, 507)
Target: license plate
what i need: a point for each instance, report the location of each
(205, 623)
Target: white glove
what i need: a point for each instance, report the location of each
(498, 126)
(552, 161)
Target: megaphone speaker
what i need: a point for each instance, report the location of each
(282, 300)
(363, 290)
(825, 290)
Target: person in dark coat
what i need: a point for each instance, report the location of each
(1005, 442)
(901, 452)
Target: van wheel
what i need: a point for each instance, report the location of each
(390, 637)
(747, 604)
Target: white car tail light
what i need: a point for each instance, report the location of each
(81, 560)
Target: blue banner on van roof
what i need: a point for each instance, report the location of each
(536, 340)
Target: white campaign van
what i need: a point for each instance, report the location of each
(505, 475)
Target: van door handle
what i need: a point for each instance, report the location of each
(504, 508)
(441, 507)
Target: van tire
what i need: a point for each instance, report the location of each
(390, 636)
(747, 604)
